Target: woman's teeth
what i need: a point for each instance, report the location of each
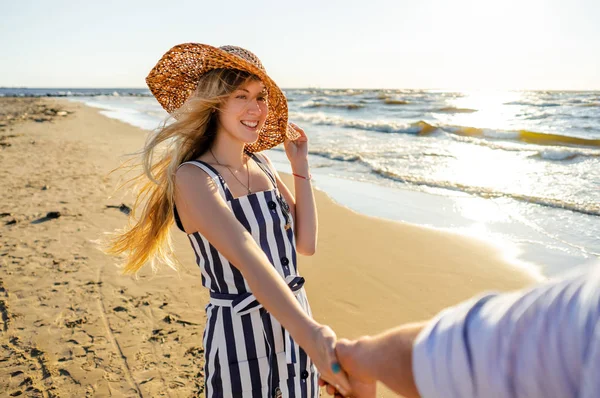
(250, 124)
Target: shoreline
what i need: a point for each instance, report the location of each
(75, 326)
(542, 248)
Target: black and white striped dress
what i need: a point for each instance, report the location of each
(247, 351)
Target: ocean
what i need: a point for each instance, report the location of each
(520, 169)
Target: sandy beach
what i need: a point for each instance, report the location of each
(73, 326)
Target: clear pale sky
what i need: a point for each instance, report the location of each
(457, 44)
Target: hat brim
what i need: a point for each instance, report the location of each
(174, 79)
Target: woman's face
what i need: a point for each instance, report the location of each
(244, 112)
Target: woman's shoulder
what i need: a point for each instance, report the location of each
(195, 171)
(193, 182)
(191, 172)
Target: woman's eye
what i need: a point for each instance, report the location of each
(241, 96)
(262, 98)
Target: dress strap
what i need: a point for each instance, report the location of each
(265, 167)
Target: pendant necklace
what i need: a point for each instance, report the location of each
(247, 186)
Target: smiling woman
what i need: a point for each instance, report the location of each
(244, 224)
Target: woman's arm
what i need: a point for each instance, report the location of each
(302, 207)
(202, 209)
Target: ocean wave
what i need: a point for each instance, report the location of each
(526, 136)
(534, 104)
(536, 151)
(451, 109)
(390, 101)
(561, 154)
(343, 156)
(424, 128)
(592, 209)
(313, 104)
(418, 128)
(343, 92)
(587, 208)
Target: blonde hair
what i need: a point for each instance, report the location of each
(192, 132)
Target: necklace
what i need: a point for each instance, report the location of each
(247, 186)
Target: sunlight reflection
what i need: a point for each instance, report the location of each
(482, 211)
(480, 167)
(483, 109)
(486, 172)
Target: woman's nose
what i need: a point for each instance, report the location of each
(254, 107)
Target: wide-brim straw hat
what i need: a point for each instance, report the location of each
(175, 78)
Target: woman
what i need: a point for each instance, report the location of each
(242, 221)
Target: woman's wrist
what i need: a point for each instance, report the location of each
(305, 336)
(301, 168)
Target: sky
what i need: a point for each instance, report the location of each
(427, 44)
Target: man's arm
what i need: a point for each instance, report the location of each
(540, 342)
(531, 343)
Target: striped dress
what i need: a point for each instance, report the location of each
(247, 351)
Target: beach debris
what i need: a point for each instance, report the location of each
(173, 319)
(45, 187)
(5, 316)
(49, 216)
(120, 309)
(76, 322)
(11, 221)
(17, 110)
(52, 214)
(194, 351)
(169, 319)
(123, 208)
(158, 335)
(146, 381)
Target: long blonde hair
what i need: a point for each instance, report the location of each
(191, 133)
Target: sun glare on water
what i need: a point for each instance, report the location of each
(483, 109)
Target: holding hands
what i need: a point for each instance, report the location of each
(386, 357)
(356, 362)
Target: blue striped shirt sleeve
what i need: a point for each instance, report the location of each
(540, 342)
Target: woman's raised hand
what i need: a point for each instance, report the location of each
(297, 150)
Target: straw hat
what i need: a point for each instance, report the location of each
(175, 77)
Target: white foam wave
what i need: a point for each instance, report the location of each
(565, 154)
(590, 208)
(378, 126)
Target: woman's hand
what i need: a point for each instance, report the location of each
(297, 150)
(322, 353)
(355, 357)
